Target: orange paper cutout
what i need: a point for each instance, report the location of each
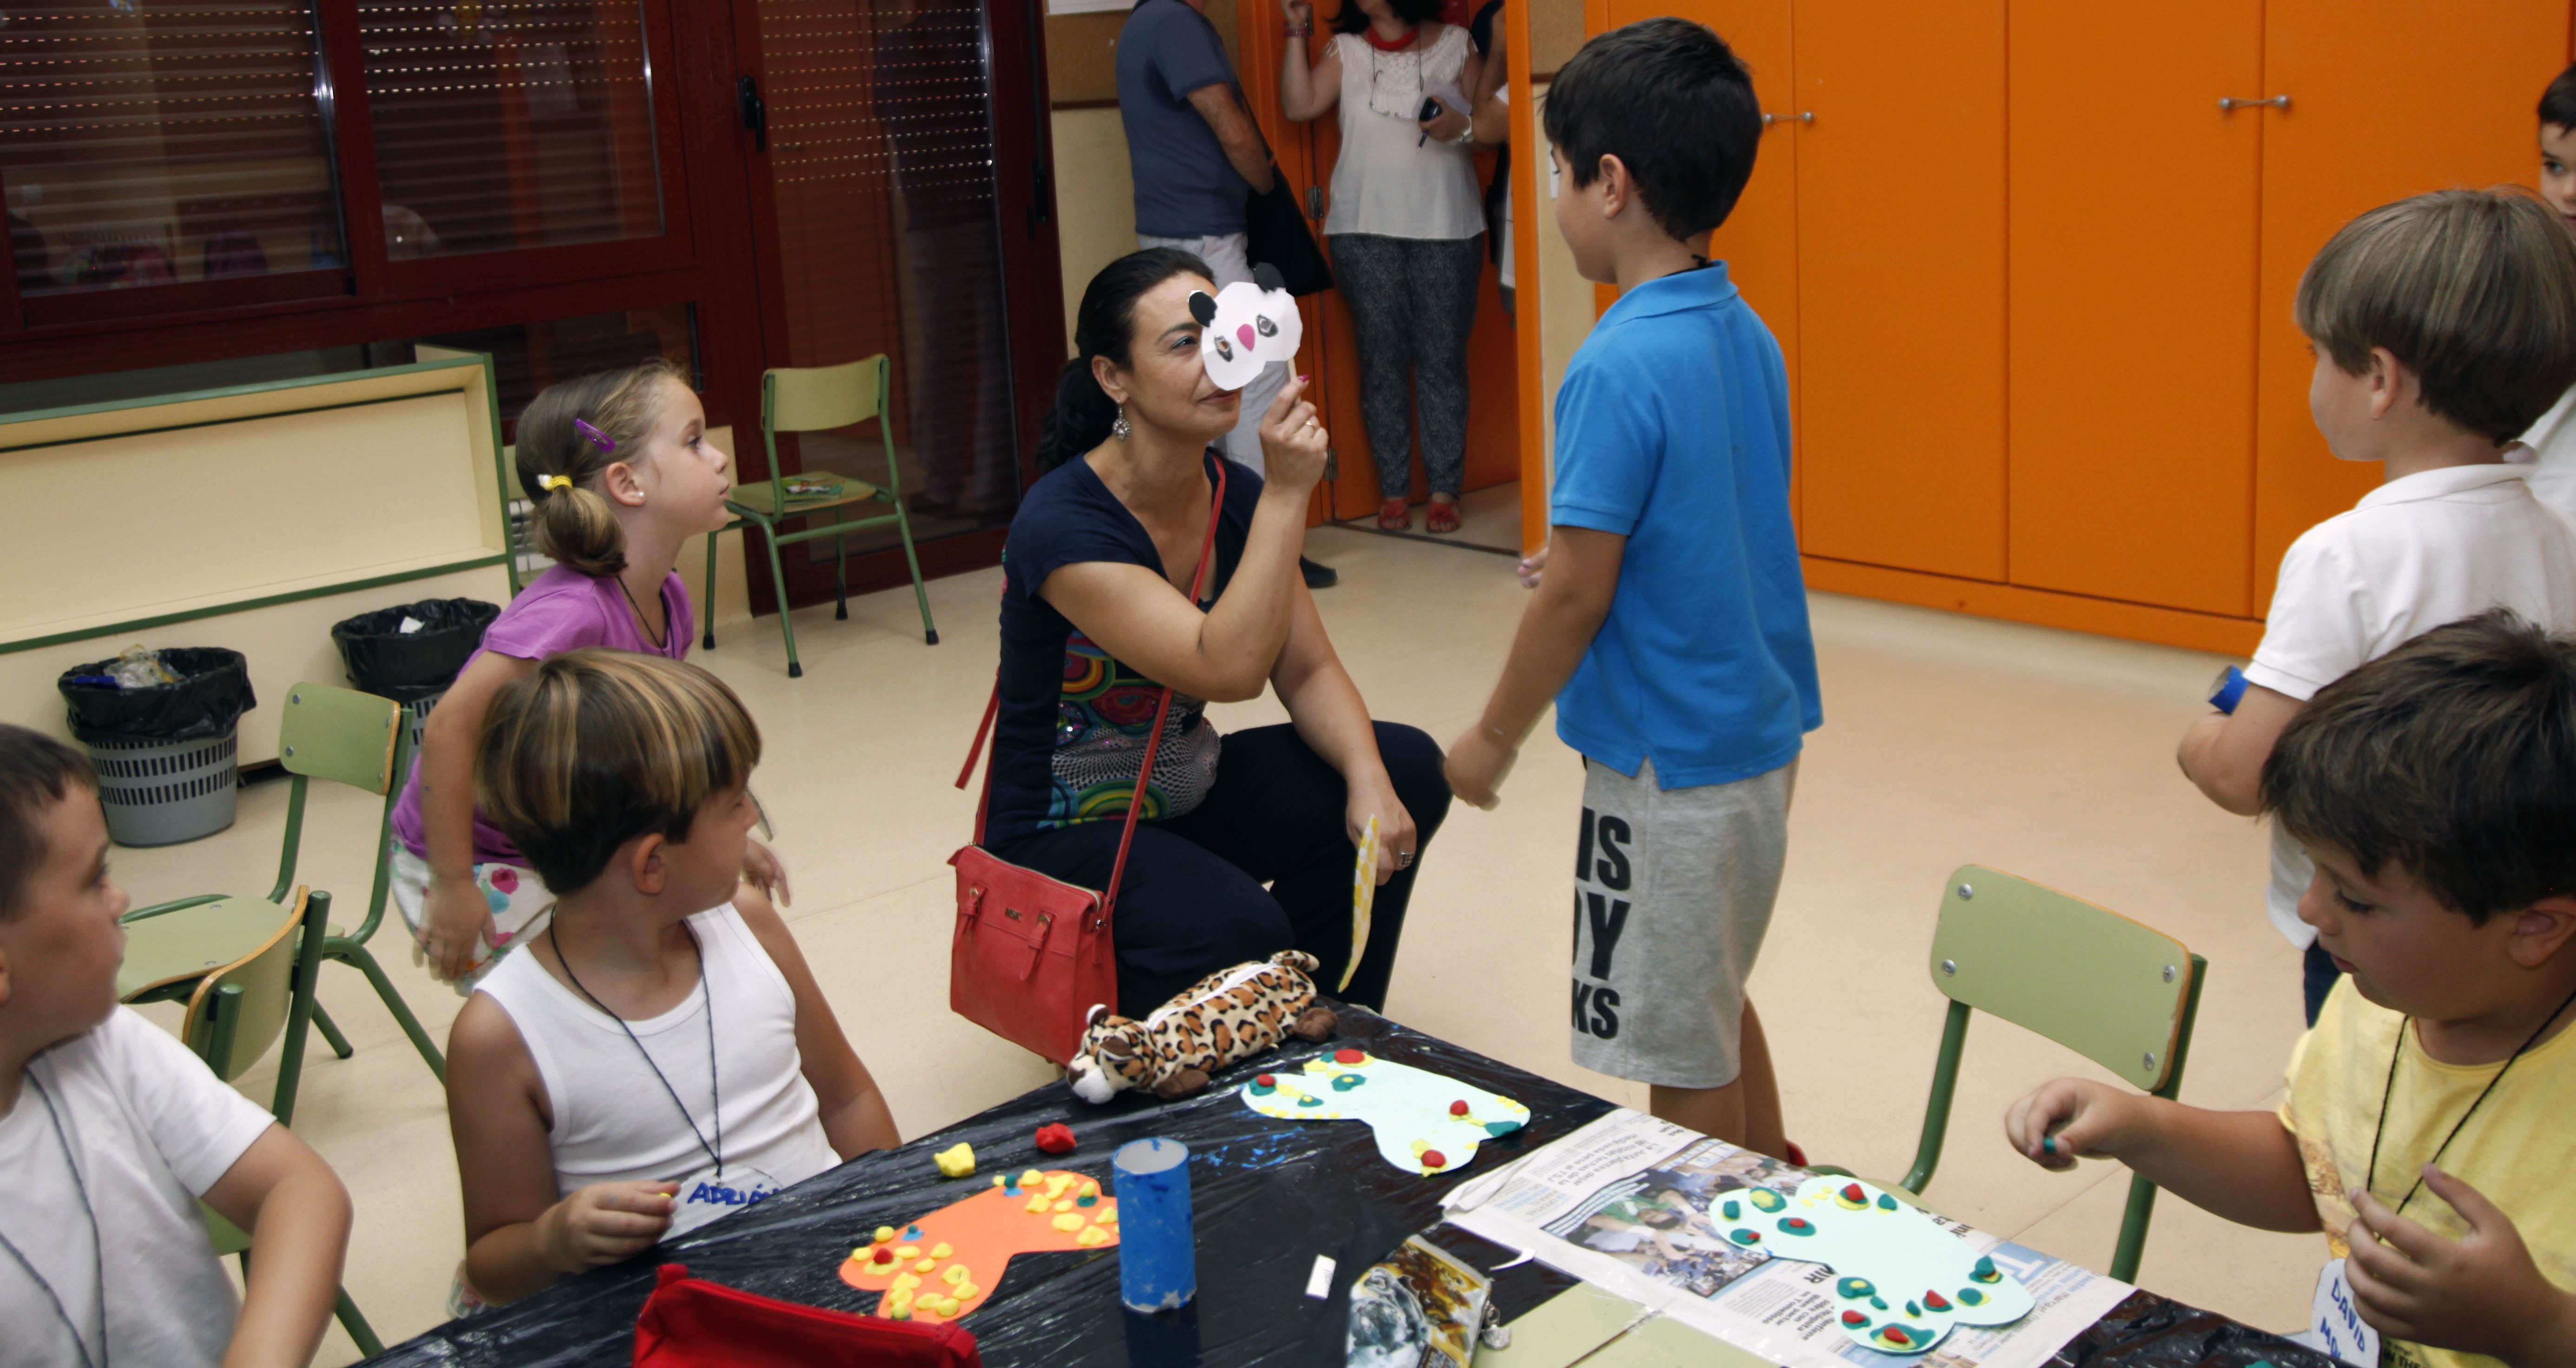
(982, 1233)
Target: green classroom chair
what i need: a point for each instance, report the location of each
(815, 399)
(234, 1014)
(330, 733)
(2115, 991)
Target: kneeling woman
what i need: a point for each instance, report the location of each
(1096, 619)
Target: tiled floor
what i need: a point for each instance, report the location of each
(1947, 740)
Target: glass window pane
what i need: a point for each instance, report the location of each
(881, 155)
(527, 357)
(510, 125)
(146, 145)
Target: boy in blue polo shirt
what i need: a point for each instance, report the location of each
(1671, 623)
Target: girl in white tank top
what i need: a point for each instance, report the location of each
(646, 1065)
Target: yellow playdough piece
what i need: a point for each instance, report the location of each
(1064, 1204)
(941, 1251)
(908, 1252)
(956, 1274)
(1039, 1204)
(1068, 1222)
(904, 1283)
(966, 1291)
(1055, 1186)
(1109, 1217)
(1031, 1178)
(956, 1161)
(924, 1265)
(1090, 1187)
(1000, 1178)
(1091, 1237)
(898, 1306)
(885, 1234)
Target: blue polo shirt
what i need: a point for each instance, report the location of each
(1672, 430)
(1185, 187)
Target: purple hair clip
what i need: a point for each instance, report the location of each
(607, 445)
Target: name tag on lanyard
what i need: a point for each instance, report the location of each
(2334, 1320)
(703, 1196)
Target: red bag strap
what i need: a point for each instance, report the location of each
(1153, 739)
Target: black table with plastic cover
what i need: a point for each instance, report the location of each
(1267, 1197)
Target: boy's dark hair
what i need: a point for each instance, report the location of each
(2558, 102)
(2452, 757)
(1349, 19)
(2473, 290)
(599, 747)
(1672, 102)
(36, 772)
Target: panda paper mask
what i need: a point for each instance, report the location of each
(1246, 326)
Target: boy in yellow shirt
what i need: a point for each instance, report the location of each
(2426, 1130)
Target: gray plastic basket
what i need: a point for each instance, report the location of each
(416, 720)
(163, 792)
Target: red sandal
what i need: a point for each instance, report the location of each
(1394, 516)
(1444, 516)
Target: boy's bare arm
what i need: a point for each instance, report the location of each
(2241, 1165)
(854, 1111)
(298, 1217)
(1564, 614)
(2223, 753)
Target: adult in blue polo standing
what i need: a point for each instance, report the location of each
(1196, 159)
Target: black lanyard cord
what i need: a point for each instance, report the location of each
(97, 1256)
(715, 1091)
(2405, 1025)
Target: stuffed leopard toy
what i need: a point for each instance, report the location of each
(1229, 1015)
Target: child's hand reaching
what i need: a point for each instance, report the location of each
(2067, 1120)
(762, 869)
(2481, 1294)
(457, 923)
(605, 1222)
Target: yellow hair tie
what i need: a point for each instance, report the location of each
(554, 482)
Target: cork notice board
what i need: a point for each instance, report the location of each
(1082, 53)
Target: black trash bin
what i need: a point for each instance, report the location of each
(165, 753)
(413, 668)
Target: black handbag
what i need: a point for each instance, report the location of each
(1275, 233)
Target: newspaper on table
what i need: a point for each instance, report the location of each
(1624, 1203)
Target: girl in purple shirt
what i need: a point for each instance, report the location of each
(622, 476)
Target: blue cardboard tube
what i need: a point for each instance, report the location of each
(1157, 1249)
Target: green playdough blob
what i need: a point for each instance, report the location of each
(1346, 1082)
(1854, 1287)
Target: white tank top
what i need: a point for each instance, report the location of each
(614, 1121)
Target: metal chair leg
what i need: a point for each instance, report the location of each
(330, 1032)
(356, 1325)
(920, 596)
(707, 605)
(778, 577)
(840, 572)
(350, 952)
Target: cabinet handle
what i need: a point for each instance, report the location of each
(1802, 116)
(2230, 104)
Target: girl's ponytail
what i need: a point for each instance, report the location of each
(568, 438)
(1083, 413)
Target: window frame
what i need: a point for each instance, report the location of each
(371, 298)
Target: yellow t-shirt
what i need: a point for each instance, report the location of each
(2516, 1150)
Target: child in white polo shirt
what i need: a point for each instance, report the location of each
(111, 1130)
(2443, 326)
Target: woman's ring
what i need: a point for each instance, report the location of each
(1404, 859)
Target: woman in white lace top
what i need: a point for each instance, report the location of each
(1403, 226)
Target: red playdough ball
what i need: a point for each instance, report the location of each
(1056, 1139)
(1434, 1159)
(1458, 1108)
(1348, 1056)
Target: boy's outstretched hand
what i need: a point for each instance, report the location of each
(2067, 1120)
(1476, 766)
(2480, 1293)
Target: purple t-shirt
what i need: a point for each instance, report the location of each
(563, 610)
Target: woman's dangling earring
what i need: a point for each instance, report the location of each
(1120, 429)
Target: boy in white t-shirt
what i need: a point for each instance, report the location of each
(2443, 326)
(111, 1130)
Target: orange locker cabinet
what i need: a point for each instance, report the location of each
(2134, 202)
(1900, 226)
(2388, 98)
